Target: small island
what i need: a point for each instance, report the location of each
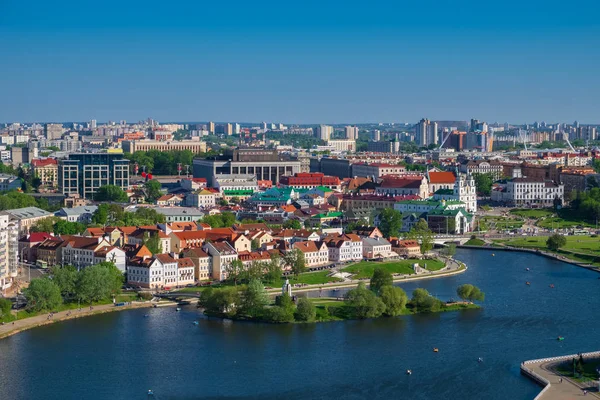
(381, 299)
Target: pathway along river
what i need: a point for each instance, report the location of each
(122, 355)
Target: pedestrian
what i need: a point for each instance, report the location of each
(560, 380)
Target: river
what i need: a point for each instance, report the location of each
(122, 355)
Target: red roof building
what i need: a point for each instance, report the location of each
(305, 180)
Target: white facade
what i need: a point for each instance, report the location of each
(8, 252)
(376, 248)
(465, 191)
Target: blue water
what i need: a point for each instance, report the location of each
(122, 355)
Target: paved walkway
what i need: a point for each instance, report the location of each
(10, 328)
(565, 390)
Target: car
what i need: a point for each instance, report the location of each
(189, 285)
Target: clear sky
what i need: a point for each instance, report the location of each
(300, 62)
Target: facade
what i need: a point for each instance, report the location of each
(408, 185)
(426, 133)
(343, 145)
(84, 173)
(79, 251)
(81, 214)
(180, 214)
(324, 132)
(377, 170)
(169, 200)
(201, 199)
(483, 167)
(344, 248)
(305, 180)
(195, 146)
(315, 253)
(383, 146)
(440, 180)
(376, 247)
(26, 217)
(351, 132)
(8, 252)
(447, 221)
(263, 163)
(202, 263)
(526, 191)
(46, 170)
(9, 182)
(222, 255)
(407, 248)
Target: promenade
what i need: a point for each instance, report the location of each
(11, 328)
(543, 372)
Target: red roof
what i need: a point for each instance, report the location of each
(43, 162)
(404, 182)
(36, 237)
(441, 177)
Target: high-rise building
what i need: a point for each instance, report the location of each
(53, 131)
(85, 173)
(324, 132)
(8, 252)
(236, 129)
(211, 127)
(263, 126)
(351, 132)
(228, 129)
(426, 132)
(93, 124)
(376, 135)
(22, 155)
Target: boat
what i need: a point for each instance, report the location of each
(527, 283)
(196, 323)
(178, 309)
(526, 269)
(480, 359)
(552, 285)
(435, 350)
(408, 372)
(560, 338)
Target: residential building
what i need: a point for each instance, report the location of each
(351, 132)
(406, 185)
(324, 132)
(202, 199)
(53, 131)
(180, 214)
(372, 201)
(10, 182)
(8, 252)
(48, 251)
(22, 155)
(146, 272)
(26, 217)
(46, 169)
(111, 254)
(202, 263)
(185, 272)
(222, 254)
(383, 147)
(315, 253)
(407, 248)
(85, 173)
(426, 132)
(376, 247)
(344, 248)
(79, 251)
(27, 245)
(169, 200)
(377, 170)
(81, 214)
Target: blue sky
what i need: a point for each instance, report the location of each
(299, 62)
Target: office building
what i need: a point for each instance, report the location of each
(347, 145)
(266, 164)
(383, 147)
(351, 132)
(84, 173)
(46, 170)
(426, 133)
(324, 132)
(195, 146)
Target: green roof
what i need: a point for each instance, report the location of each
(332, 214)
(444, 191)
(232, 192)
(323, 189)
(448, 212)
(420, 202)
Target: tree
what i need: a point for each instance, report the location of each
(254, 245)
(364, 303)
(556, 241)
(152, 242)
(42, 294)
(254, 299)
(470, 292)
(5, 307)
(295, 260)
(111, 193)
(99, 282)
(253, 271)
(221, 301)
(44, 225)
(390, 222)
(234, 270)
(483, 183)
(424, 302)
(63, 227)
(381, 278)
(394, 299)
(292, 224)
(283, 311)
(421, 232)
(273, 269)
(305, 311)
(153, 191)
(66, 279)
(450, 249)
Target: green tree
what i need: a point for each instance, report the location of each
(483, 183)
(254, 299)
(381, 278)
(449, 250)
(305, 311)
(273, 269)
(292, 224)
(422, 301)
(390, 222)
(394, 299)
(43, 294)
(470, 292)
(153, 190)
(221, 301)
(66, 279)
(44, 225)
(111, 193)
(254, 245)
(99, 282)
(152, 242)
(364, 303)
(556, 241)
(283, 311)
(295, 260)
(5, 307)
(421, 232)
(234, 271)
(63, 227)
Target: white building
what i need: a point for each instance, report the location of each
(81, 214)
(347, 145)
(8, 252)
(324, 132)
(525, 191)
(344, 248)
(377, 247)
(222, 254)
(315, 253)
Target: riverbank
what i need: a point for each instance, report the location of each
(555, 385)
(14, 327)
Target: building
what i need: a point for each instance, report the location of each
(315, 253)
(222, 254)
(440, 180)
(449, 221)
(201, 198)
(383, 147)
(9, 182)
(407, 248)
(339, 167)
(243, 184)
(26, 217)
(376, 247)
(342, 145)
(46, 169)
(324, 132)
(53, 131)
(344, 248)
(169, 200)
(426, 133)
(483, 167)
(180, 214)
(351, 132)
(27, 245)
(305, 180)
(377, 170)
(195, 146)
(406, 185)
(82, 214)
(47, 251)
(8, 252)
(85, 173)
(202, 263)
(79, 251)
(527, 191)
(265, 164)
(22, 155)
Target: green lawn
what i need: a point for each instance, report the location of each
(566, 218)
(475, 242)
(587, 245)
(499, 223)
(365, 269)
(533, 213)
(589, 370)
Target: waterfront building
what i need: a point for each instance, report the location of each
(376, 247)
(222, 254)
(8, 252)
(315, 253)
(81, 252)
(449, 221)
(202, 263)
(46, 169)
(85, 173)
(406, 248)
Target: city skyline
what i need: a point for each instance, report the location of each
(332, 63)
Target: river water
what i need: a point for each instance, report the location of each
(122, 355)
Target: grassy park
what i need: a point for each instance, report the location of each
(364, 269)
(588, 370)
(584, 249)
(533, 213)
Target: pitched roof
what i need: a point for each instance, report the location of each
(306, 247)
(43, 162)
(196, 252)
(442, 177)
(36, 237)
(185, 262)
(404, 182)
(165, 258)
